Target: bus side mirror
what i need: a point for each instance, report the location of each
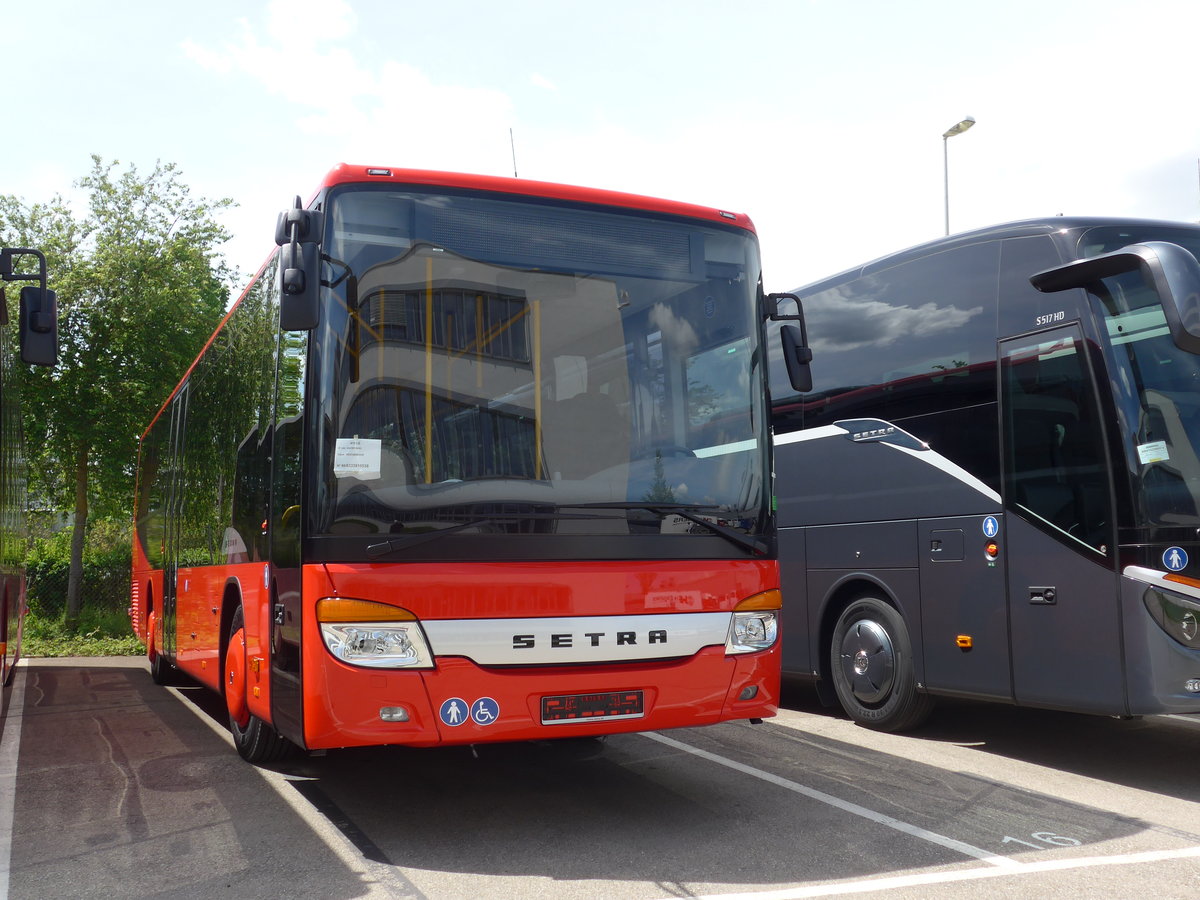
(298, 233)
(1170, 270)
(797, 355)
(38, 317)
(299, 287)
(38, 326)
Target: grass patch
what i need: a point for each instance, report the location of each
(100, 633)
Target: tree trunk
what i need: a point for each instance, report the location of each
(75, 578)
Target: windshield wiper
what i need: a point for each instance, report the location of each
(414, 540)
(692, 514)
(376, 550)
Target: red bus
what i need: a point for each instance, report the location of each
(471, 459)
(36, 316)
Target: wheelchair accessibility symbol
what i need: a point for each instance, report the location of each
(485, 711)
(1175, 559)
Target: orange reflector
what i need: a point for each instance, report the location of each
(1183, 579)
(964, 642)
(765, 600)
(341, 609)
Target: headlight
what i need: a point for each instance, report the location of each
(755, 624)
(1176, 615)
(375, 635)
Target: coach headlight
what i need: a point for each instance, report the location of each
(363, 633)
(1178, 616)
(755, 623)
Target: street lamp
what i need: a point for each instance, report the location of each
(951, 132)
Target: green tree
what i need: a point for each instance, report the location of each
(140, 286)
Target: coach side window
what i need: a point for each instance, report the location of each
(913, 344)
(915, 338)
(1056, 473)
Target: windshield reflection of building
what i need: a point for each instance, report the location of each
(445, 359)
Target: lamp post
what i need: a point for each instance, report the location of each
(951, 132)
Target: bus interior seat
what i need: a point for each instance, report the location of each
(1166, 414)
(585, 434)
(1164, 421)
(1038, 466)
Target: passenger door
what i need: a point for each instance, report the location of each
(1058, 537)
(173, 500)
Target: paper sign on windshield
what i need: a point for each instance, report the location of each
(1154, 452)
(357, 458)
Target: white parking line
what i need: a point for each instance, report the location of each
(1191, 719)
(10, 747)
(380, 882)
(853, 808)
(908, 881)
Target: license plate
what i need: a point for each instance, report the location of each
(590, 707)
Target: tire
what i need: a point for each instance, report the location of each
(161, 670)
(255, 740)
(871, 660)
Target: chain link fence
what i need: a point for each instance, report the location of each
(106, 566)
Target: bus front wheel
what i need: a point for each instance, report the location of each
(161, 670)
(256, 741)
(872, 665)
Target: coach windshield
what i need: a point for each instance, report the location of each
(506, 367)
(1156, 385)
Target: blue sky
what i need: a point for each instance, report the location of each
(821, 119)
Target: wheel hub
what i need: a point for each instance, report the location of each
(862, 663)
(868, 660)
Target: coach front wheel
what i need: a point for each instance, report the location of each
(872, 665)
(256, 741)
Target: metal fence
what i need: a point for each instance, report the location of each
(106, 565)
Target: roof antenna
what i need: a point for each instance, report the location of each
(512, 143)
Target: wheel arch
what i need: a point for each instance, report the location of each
(840, 595)
(231, 599)
(146, 611)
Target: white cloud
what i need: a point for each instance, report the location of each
(300, 25)
(212, 60)
(391, 113)
(837, 157)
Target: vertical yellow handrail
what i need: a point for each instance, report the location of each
(479, 301)
(429, 371)
(537, 387)
(380, 326)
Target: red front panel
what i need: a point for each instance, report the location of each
(461, 701)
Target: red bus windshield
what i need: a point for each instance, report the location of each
(522, 368)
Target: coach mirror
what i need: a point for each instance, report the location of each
(796, 353)
(298, 233)
(1172, 272)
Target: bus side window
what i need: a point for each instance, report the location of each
(1021, 304)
